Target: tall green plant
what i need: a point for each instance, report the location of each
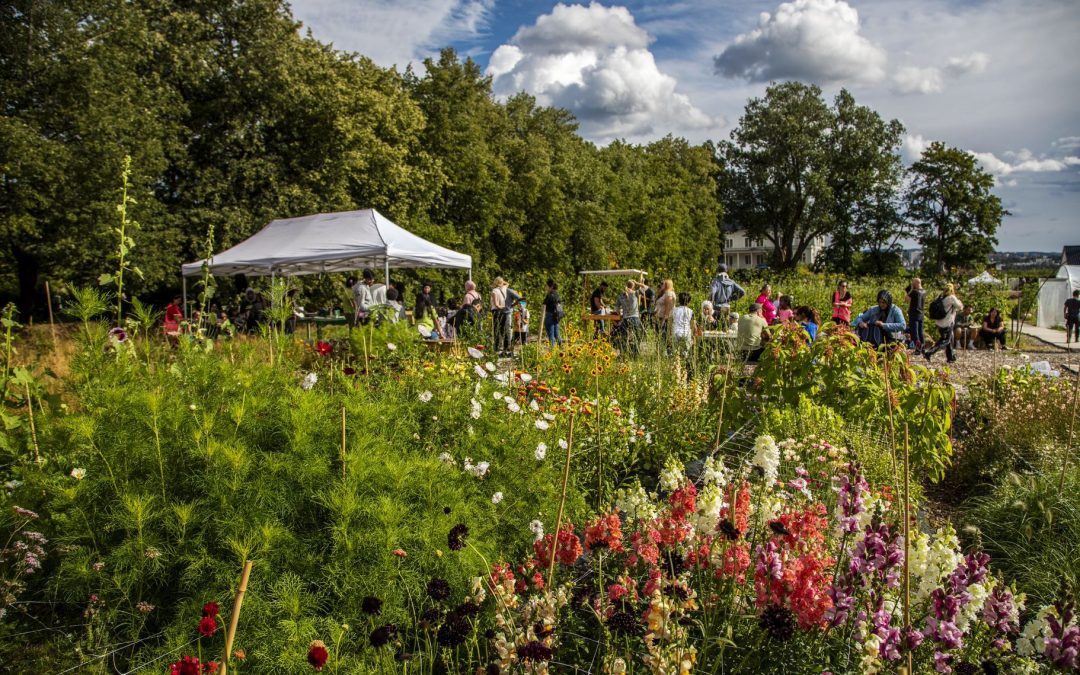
(125, 244)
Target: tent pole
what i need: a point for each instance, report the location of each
(183, 292)
(386, 268)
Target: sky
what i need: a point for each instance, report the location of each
(999, 78)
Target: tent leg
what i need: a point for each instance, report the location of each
(386, 269)
(470, 273)
(183, 292)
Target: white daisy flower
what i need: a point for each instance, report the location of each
(78, 473)
(309, 381)
(479, 370)
(391, 347)
(541, 452)
(542, 425)
(475, 353)
(425, 396)
(496, 498)
(490, 367)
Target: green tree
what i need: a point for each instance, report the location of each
(950, 204)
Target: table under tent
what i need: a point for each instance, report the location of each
(588, 275)
(328, 242)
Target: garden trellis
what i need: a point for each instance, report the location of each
(329, 242)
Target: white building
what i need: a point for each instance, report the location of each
(743, 252)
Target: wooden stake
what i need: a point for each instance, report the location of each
(235, 618)
(342, 442)
(33, 429)
(48, 303)
(892, 422)
(907, 538)
(1072, 426)
(562, 503)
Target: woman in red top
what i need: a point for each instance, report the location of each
(768, 309)
(841, 304)
(173, 316)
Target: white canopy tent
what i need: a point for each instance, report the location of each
(329, 242)
(1054, 292)
(984, 278)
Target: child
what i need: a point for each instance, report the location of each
(808, 318)
(784, 312)
(682, 324)
(521, 322)
(708, 320)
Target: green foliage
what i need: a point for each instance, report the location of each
(952, 209)
(1030, 526)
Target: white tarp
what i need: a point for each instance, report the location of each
(1053, 293)
(330, 242)
(984, 278)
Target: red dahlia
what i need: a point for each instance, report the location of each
(324, 348)
(317, 655)
(207, 626)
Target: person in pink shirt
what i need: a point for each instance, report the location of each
(784, 312)
(841, 303)
(768, 309)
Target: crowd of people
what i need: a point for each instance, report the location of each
(638, 310)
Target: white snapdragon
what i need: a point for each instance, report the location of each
(979, 593)
(713, 472)
(931, 560)
(636, 504)
(673, 475)
(710, 501)
(1032, 640)
(767, 457)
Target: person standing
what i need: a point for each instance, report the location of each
(552, 313)
(841, 304)
(665, 306)
(361, 296)
(723, 292)
(376, 291)
(174, 314)
(1072, 318)
(521, 322)
(646, 301)
(682, 325)
(943, 312)
(627, 307)
(500, 316)
(470, 293)
(916, 306)
(598, 308)
(768, 309)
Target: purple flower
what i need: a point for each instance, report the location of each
(118, 334)
(851, 498)
(942, 661)
(999, 611)
(1063, 645)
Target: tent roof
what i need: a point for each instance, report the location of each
(613, 272)
(330, 242)
(984, 278)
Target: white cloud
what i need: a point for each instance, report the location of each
(969, 64)
(930, 80)
(913, 146)
(912, 80)
(1023, 161)
(395, 33)
(595, 61)
(814, 40)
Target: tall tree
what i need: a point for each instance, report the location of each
(774, 179)
(952, 208)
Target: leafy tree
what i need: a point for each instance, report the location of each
(796, 169)
(774, 180)
(952, 208)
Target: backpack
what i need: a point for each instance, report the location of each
(559, 312)
(937, 310)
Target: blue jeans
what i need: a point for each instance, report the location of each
(551, 327)
(916, 330)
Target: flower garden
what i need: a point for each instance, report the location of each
(835, 510)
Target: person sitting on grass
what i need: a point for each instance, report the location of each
(993, 329)
(882, 323)
(752, 334)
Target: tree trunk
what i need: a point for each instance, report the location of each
(27, 271)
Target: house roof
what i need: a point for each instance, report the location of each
(1070, 255)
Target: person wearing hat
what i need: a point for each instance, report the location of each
(752, 334)
(723, 292)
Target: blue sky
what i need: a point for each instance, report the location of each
(1000, 78)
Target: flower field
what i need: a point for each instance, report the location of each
(569, 510)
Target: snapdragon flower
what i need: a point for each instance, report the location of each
(767, 457)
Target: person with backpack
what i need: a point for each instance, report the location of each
(553, 313)
(916, 311)
(883, 323)
(723, 292)
(943, 312)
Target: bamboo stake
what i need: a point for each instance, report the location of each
(33, 429)
(342, 442)
(562, 503)
(235, 618)
(48, 303)
(1072, 426)
(907, 538)
(892, 422)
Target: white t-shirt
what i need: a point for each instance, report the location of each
(680, 321)
(378, 294)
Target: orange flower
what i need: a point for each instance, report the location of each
(399, 552)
